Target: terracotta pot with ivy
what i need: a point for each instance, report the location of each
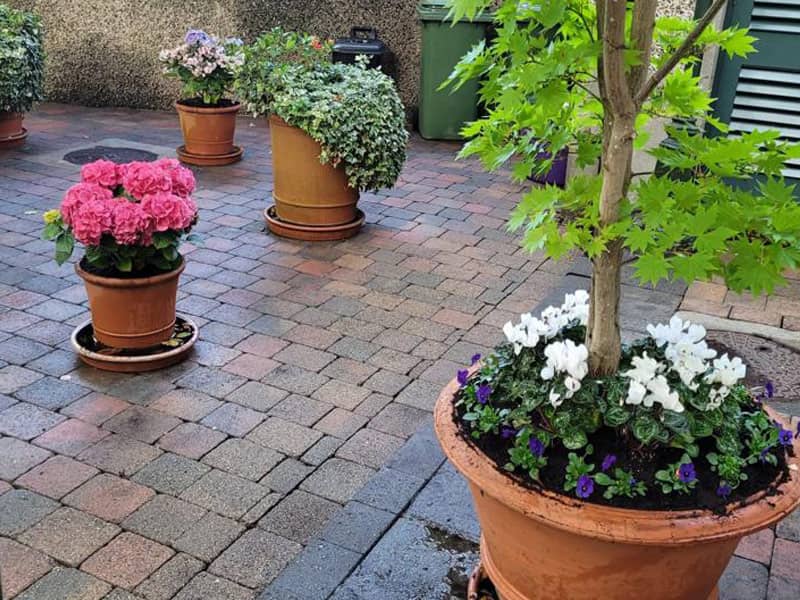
(336, 129)
(21, 71)
(603, 470)
(205, 65)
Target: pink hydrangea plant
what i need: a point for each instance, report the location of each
(127, 205)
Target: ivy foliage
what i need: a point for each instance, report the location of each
(21, 60)
(539, 82)
(354, 112)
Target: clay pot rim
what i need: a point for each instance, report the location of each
(634, 526)
(129, 282)
(207, 110)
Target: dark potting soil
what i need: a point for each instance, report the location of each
(642, 465)
(113, 273)
(198, 103)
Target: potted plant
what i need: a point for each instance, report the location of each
(205, 65)
(131, 219)
(21, 71)
(336, 129)
(600, 470)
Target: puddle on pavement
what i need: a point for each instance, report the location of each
(464, 554)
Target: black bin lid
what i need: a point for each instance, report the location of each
(362, 40)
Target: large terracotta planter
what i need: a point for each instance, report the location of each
(132, 313)
(539, 545)
(208, 134)
(11, 130)
(307, 193)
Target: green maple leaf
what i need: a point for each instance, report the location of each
(651, 268)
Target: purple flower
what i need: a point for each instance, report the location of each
(763, 456)
(536, 446)
(585, 486)
(686, 473)
(724, 490)
(608, 462)
(785, 437)
(196, 36)
(475, 358)
(797, 435)
(769, 388)
(462, 377)
(483, 393)
(507, 432)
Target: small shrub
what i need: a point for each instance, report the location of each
(21, 60)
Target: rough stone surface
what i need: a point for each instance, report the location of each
(65, 584)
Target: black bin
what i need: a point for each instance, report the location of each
(363, 41)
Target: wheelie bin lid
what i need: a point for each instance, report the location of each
(437, 10)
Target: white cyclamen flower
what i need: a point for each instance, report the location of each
(685, 349)
(576, 306)
(727, 371)
(569, 358)
(648, 386)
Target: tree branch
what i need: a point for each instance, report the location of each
(666, 68)
(644, 22)
(616, 92)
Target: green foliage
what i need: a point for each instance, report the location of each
(353, 112)
(620, 483)
(670, 479)
(576, 467)
(21, 60)
(539, 83)
(729, 467)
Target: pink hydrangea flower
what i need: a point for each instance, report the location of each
(131, 224)
(80, 194)
(101, 172)
(142, 178)
(182, 178)
(166, 209)
(92, 219)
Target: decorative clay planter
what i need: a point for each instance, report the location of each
(208, 134)
(310, 197)
(135, 312)
(540, 545)
(12, 132)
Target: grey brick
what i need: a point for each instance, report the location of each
(357, 527)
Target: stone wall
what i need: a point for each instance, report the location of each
(104, 52)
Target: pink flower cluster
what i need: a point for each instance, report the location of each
(130, 202)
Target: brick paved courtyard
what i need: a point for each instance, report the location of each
(316, 364)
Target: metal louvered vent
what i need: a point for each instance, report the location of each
(769, 99)
(776, 15)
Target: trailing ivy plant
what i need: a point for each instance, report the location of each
(585, 74)
(21, 60)
(354, 112)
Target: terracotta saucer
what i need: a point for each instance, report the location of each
(312, 233)
(14, 140)
(134, 361)
(204, 160)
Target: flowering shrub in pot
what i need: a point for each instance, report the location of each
(131, 219)
(205, 66)
(336, 128)
(21, 70)
(635, 467)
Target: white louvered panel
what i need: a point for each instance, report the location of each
(781, 16)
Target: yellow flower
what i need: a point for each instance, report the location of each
(51, 216)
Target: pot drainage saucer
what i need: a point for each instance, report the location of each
(312, 233)
(209, 160)
(139, 360)
(14, 140)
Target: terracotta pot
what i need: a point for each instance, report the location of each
(11, 125)
(208, 131)
(307, 192)
(539, 545)
(132, 313)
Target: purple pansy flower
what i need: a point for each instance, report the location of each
(797, 435)
(724, 490)
(686, 473)
(475, 358)
(462, 377)
(536, 446)
(769, 388)
(483, 393)
(785, 437)
(507, 432)
(608, 462)
(585, 486)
